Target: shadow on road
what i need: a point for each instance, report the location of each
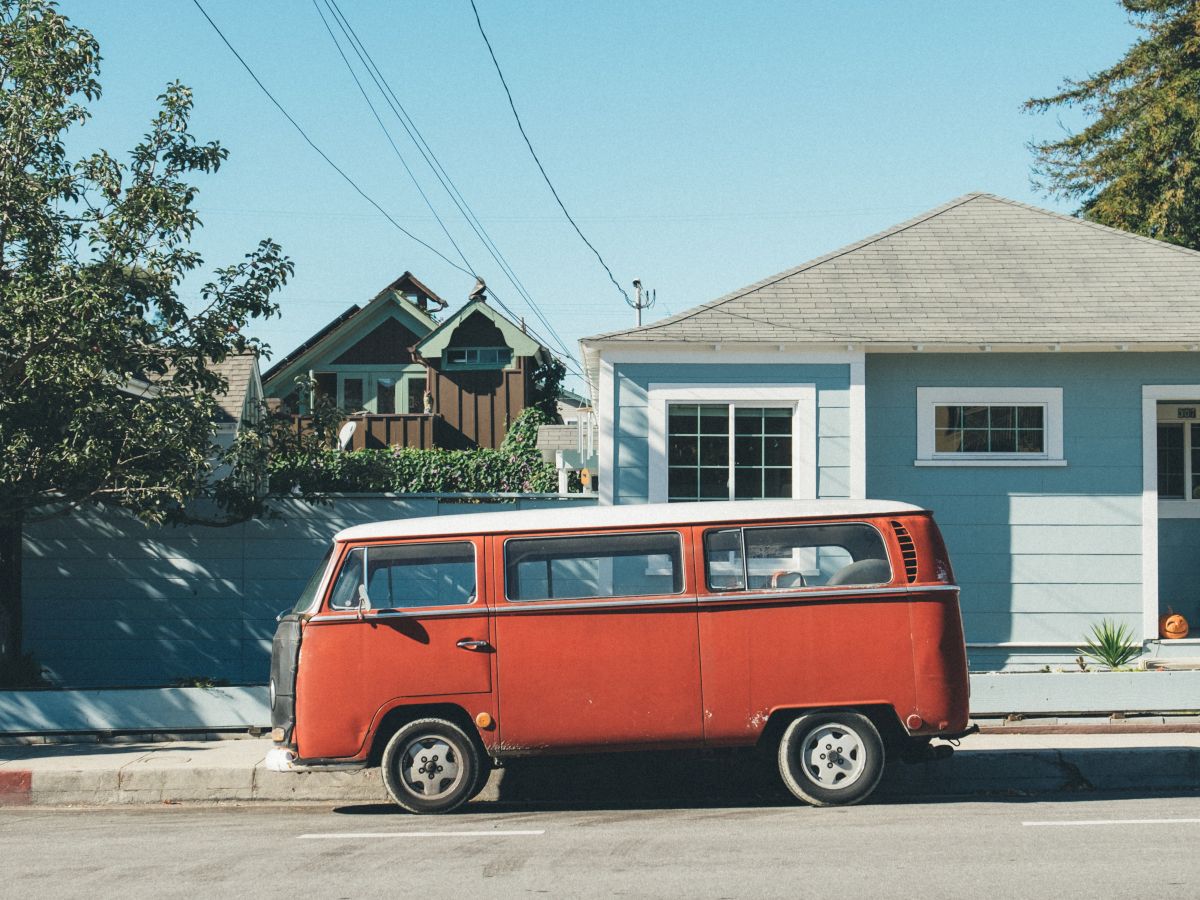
(724, 781)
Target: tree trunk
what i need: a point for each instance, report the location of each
(10, 595)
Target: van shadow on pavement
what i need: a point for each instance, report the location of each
(744, 778)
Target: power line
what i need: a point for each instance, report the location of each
(303, 134)
(350, 181)
(440, 173)
(533, 153)
(388, 135)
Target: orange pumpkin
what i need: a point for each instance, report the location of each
(1172, 626)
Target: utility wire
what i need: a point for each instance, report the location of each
(439, 171)
(350, 181)
(303, 134)
(533, 153)
(388, 135)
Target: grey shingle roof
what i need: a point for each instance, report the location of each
(980, 269)
(238, 370)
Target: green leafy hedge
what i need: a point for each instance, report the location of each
(516, 467)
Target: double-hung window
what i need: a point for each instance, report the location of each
(989, 426)
(732, 442)
(1178, 451)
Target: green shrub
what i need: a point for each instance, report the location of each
(1111, 644)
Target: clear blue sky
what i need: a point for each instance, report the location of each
(701, 145)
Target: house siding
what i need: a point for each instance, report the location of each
(1041, 553)
(630, 416)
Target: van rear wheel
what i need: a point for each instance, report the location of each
(431, 766)
(831, 758)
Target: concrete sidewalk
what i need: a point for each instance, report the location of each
(232, 771)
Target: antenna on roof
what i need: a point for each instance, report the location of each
(644, 299)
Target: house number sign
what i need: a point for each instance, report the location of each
(1185, 412)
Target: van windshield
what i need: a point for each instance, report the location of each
(309, 594)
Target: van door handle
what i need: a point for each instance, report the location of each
(479, 646)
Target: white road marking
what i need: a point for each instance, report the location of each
(1118, 822)
(351, 835)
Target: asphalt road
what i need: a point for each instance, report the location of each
(1072, 846)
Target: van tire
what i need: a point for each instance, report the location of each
(831, 758)
(431, 766)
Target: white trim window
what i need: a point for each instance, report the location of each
(1178, 451)
(989, 427)
(732, 442)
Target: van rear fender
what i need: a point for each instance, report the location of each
(882, 716)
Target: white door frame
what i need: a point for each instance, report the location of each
(1151, 395)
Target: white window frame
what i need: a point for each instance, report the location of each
(1050, 399)
(801, 399)
(1177, 507)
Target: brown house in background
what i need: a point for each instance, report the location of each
(406, 379)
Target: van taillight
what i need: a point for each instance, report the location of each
(908, 550)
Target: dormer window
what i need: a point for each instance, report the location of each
(478, 357)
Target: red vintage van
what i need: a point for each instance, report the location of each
(437, 647)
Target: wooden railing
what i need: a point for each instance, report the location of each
(420, 430)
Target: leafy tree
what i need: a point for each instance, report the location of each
(106, 385)
(1136, 166)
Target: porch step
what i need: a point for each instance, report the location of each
(1173, 664)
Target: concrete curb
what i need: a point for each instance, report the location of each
(197, 775)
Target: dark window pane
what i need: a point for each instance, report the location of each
(777, 421)
(723, 560)
(714, 451)
(681, 451)
(777, 483)
(385, 396)
(681, 484)
(975, 417)
(777, 451)
(1170, 462)
(747, 450)
(1031, 442)
(1004, 441)
(947, 417)
(352, 393)
(1195, 493)
(714, 484)
(975, 441)
(747, 484)
(1003, 416)
(747, 421)
(1030, 417)
(682, 420)
(416, 395)
(714, 420)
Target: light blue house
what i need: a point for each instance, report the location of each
(1032, 378)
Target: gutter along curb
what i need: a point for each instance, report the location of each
(233, 772)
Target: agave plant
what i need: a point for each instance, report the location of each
(1111, 644)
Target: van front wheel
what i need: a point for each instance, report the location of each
(430, 766)
(831, 758)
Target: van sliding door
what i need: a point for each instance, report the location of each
(596, 641)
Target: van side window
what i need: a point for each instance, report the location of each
(795, 556)
(403, 576)
(593, 566)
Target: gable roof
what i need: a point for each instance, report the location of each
(978, 270)
(239, 370)
(432, 345)
(390, 296)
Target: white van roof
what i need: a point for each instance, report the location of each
(570, 515)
